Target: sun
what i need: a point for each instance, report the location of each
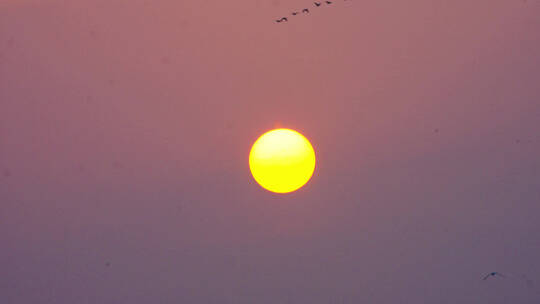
(282, 160)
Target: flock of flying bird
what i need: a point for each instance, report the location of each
(304, 11)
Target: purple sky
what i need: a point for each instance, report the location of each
(125, 129)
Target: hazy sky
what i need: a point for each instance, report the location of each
(125, 129)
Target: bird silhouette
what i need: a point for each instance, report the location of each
(306, 10)
(492, 274)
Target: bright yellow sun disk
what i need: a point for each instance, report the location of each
(282, 160)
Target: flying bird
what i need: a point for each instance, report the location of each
(492, 274)
(317, 3)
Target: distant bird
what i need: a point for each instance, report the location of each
(305, 10)
(294, 13)
(492, 274)
(317, 3)
(328, 2)
(282, 19)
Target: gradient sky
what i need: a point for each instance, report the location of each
(125, 129)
